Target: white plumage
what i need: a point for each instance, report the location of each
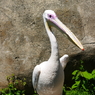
(48, 77)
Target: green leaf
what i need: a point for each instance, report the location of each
(93, 74)
(75, 85)
(75, 72)
(24, 83)
(87, 75)
(81, 61)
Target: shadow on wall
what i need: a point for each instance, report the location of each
(28, 87)
(88, 58)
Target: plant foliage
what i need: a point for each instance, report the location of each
(84, 80)
(15, 86)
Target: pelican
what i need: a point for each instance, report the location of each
(48, 77)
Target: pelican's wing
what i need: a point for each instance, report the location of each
(35, 76)
(63, 60)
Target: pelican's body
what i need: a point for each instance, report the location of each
(48, 77)
(50, 80)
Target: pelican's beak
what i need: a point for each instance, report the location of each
(67, 31)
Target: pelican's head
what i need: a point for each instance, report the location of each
(50, 17)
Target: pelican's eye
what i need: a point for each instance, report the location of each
(50, 16)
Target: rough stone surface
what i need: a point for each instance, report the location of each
(24, 42)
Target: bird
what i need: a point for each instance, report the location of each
(48, 76)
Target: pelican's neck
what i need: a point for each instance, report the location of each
(54, 46)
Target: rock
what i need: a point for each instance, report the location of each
(24, 42)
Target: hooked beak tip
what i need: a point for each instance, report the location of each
(83, 49)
